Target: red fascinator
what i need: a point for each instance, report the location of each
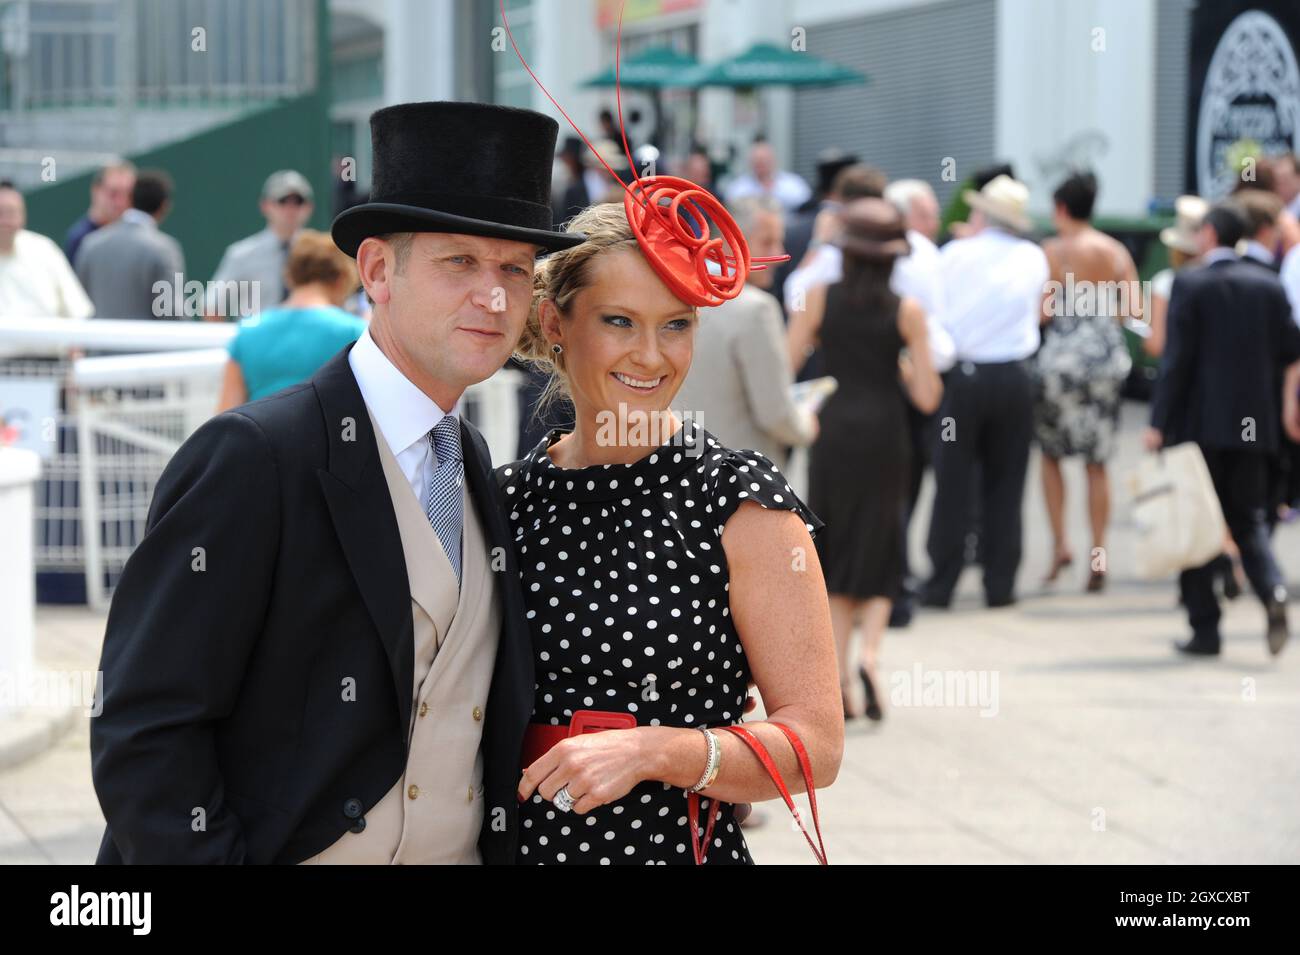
(671, 218)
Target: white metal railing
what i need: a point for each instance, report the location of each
(124, 415)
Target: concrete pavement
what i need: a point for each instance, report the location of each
(1063, 729)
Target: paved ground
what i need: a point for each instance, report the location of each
(1099, 745)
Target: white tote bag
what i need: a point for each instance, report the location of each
(1176, 512)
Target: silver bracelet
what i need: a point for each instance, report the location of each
(714, 762)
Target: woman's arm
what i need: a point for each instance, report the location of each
(1154, 344)
(924, 386)
(805, 323)
(234, 392)
(778, 602)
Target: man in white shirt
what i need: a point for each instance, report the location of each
(765, 179)
(993, 281)
(35, 279)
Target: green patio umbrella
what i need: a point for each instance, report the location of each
(766, 64)
(653, 68)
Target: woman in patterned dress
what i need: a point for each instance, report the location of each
(639, 604)
(1079, 371)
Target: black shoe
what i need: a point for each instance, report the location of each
(1277, 628)
(874, 712)
(934, 601)
(1199, 647)
(1003, 600)
(900, 615)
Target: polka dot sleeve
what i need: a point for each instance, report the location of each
(735, 477)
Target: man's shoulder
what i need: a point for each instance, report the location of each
(249, 245)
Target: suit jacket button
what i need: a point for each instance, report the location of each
(358, 826)
(352, 808)
(478, 714)
(424, 708)
(413, 791)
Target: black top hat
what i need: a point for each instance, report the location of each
(469, 168)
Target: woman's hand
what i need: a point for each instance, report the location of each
(597, 768)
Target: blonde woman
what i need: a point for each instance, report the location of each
(662, 572)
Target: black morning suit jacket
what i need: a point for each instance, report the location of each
(1231, 335)
(225, 668)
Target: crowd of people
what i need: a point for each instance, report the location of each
(956, 357)
(960, 357)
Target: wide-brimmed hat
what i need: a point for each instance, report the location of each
(469, 168)
(1004, 199)
(872, 231)
(1189, 213)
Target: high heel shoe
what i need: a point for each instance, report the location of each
(1059, 563)
(874, 712)
(1096, 582)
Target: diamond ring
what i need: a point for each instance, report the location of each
(563, 801)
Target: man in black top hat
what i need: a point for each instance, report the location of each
(293, 653)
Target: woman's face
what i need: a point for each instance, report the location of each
(627, 339)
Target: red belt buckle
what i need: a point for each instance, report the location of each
(594, 721)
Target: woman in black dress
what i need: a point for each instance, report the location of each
(860, 464)
(640, 606)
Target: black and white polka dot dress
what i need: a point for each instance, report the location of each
(625, 583)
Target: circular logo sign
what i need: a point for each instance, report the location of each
(1251, 92)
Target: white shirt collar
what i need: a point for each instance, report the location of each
(1220, 253)
(404, 413)
(1259, 252)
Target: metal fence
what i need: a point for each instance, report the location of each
(120, 419)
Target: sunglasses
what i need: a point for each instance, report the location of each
(293, 199)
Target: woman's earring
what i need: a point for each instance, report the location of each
(557, 348)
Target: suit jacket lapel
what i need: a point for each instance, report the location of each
(362, 509)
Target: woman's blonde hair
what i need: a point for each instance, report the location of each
(561, 276)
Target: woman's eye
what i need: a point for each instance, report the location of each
(620, 321)
(679, 324)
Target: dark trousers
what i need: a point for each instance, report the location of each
(1241, 479)
(984, 429)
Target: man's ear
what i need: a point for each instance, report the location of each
(374, 266)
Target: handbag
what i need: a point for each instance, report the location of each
(764, 757)
(1176, 512)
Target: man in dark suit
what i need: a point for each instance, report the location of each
(1231, 337)
(278, 653)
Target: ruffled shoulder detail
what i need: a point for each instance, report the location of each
(732, 477)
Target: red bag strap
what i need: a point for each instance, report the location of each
(764, 757)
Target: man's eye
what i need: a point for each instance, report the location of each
(518, 270)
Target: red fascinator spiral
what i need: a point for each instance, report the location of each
(671, 218)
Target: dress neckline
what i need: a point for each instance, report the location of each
(607, 482)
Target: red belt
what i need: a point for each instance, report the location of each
(540, 737)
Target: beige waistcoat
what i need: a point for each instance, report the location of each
(434, 811)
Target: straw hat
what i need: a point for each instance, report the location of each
(1189, 213)
(1004, 199)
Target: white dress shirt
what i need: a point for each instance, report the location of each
(993, 282)
(1291, 280)
(916, 275)
(37, 282)
(404, 413)
(788, 188)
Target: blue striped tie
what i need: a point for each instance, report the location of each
(444, 508)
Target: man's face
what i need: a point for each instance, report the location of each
(112, 197)
(456, 309)
(762, 161)
(766, 238)
(924, 215)
(1286, 180)
(13, 215)
(287, 215)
